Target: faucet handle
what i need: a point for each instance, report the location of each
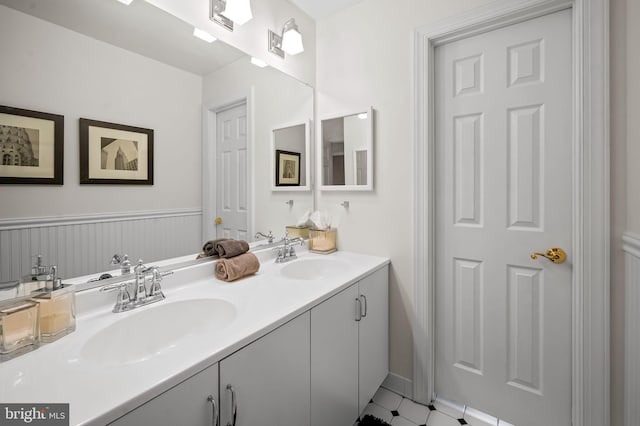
(156, 288)
(115, 286)
(123, 299)
(123, 261)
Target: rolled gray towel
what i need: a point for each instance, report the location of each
(231, 248)
(209, 248)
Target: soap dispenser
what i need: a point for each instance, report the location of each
(57, 308)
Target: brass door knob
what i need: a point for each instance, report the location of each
(554, 254)
(218, 220)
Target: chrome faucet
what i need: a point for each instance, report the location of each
(140, 289)
(268, 236)
(155, 290)
(287, 252)
(123, 261)
(138, 296)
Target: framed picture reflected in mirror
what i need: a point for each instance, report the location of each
(115, 154)
(31, 147)
(287, 168)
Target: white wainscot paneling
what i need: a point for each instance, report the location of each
(632, 332)
(84, 245)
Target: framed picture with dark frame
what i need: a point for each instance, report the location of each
(287, 168)
(115, 154)
(31, 147)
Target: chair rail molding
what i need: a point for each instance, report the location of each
(590, 199)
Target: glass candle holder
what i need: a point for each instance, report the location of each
(19, 328)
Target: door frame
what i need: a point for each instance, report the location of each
(590, 199)
(209, 145)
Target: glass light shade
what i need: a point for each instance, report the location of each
(239, 11)
(292, 42)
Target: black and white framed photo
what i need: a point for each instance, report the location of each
(287, 168)
(115, 154)
(31, 147)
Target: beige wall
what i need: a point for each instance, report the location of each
(55, 70)
(278, 100)
(365, 58)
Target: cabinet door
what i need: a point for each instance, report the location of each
(185, 404)
(270, 378)
(374, 334)
(334, 360)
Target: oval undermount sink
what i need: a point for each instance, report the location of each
(156, 330)
(313, 269)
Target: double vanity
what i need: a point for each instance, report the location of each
(300, 343)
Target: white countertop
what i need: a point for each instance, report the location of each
(98, 393)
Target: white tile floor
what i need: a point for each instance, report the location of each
(398, 411)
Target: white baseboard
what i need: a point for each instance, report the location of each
(398, 384)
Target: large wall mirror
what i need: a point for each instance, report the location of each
(345, 154)
(139, 65)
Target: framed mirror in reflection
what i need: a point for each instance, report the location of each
(156, 76)
(291, 165)
(346, 152)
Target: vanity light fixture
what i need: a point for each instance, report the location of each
(203, 35)
(289, 41)
(127, 2)
(230, 12)
(257, 62)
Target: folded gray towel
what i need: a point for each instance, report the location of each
(237, 267)
(209, 248)
(231, 248)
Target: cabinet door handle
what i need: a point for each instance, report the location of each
(234, 406)
(358, 309)
(214, 410)
(363, 297)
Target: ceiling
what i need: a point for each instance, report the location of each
(150, 31)
(139, 27)
(319, 9)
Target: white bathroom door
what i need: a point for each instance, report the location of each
(503, 191)
(231, 173)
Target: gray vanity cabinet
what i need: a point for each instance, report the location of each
(373, 335)
(270, 378)
(188, 403)
(349, 350)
